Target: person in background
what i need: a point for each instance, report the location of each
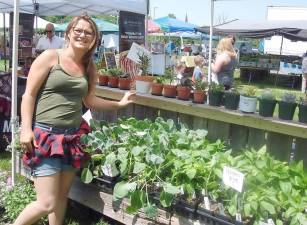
(49, 41)
(304, 72)
(225, 62)
(197, 72)
(59, 81)
(179, 69)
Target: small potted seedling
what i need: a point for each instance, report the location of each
(267, 103)
(248, 100)
(287, 105)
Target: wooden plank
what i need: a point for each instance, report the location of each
(301, 151)
(218, 130)
(186, 119)
(216, 113)
(256, 138)
(126, 112)
(110, 116)
(199, 123)
(169, 115)
(238, 136)
(279, 145)
(151, 113)
(139, 112)
(92, 197)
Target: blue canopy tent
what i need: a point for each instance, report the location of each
(168, 24)
(102, 25)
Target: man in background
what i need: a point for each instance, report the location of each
(49, 40)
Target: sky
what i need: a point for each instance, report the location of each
(198, 11)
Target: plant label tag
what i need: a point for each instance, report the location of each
(271, 222)
(181, 190)
(207, 203)
(137, 50)
(238, 217)
(87, 116)
(110, 170)
(263, 223)
(221, 208)
(233, 178)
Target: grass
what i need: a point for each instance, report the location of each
(5, 161)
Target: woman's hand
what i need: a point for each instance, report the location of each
(126, 99)
(27, 141)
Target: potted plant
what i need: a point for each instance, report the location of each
(199, 94)
(248, 100)
(124, 81)
(287, 106)
(231, 98)
(267, 103)
(103, 77)
(143, 81)
(184, 89)
(215, 94)
(302, 113)
(169, 89)
(157, 85)
(114, 77)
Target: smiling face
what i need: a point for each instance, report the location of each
(82, 33)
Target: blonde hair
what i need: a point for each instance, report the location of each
(225, 45)
(198, 60)
(179, 66)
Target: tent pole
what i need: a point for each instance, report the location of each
(4, 42)
(14, 119)
(210, 40)
(280, 51)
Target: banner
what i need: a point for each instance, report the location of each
(131, 29)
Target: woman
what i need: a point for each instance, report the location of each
(225, 62)
(51, 109)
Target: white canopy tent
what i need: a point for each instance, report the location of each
(52, 8)
(41, 23)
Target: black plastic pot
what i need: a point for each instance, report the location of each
(185, 209)
(302, 113)
(286, 110)
(215, 98)
(231, 100)
(107, 183)
(267, 107)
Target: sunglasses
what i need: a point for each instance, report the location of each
(48, 31)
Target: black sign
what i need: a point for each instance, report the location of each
(131, 29)
(26, 22)
(110, 60)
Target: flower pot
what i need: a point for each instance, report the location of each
(247, 104)
(231, 100)
(185, 209)
(286, 110)
(169, 91)
(113, 82)
(183, 93)
(143, 84)
(103, 80)
(156, 89)
(124, 83)
(302, 113)
(215, 98)
(267, 107)
(199, 96)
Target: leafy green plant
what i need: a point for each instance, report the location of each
(214, 87)
(115, 72)
(250, 91)
(145, 63)
(267, 94)
(200, 84)
(159, 79)
(15, 198)
(288, 97)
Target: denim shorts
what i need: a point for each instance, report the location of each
(52, 165)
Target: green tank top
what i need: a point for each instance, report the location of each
(59, 102)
